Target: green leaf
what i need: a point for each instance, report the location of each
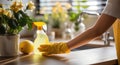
(85, 6)
(83, 1)
(16, 15)
(56, 24)
(12, 31)
(73, 16)
(12, 23)
(5, 19)
(2, 29)
(29, 26)
(22, 21)
(76, 28)
(19, 28)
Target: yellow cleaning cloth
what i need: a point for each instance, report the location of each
(54, 48)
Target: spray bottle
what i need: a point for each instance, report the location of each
(41, 37)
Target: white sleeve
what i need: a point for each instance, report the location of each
(112, 8)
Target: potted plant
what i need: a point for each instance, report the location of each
(74, 16)
(12, 20)
(77, 17)
(56, 18)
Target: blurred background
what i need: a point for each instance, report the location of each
(64, 19)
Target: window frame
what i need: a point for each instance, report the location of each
(38, 7)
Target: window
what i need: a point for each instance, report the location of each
(48, 4)
(94, 5)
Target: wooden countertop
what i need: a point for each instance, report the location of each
(98, 56)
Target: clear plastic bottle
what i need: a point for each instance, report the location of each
(41, 37)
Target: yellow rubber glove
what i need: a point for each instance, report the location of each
(54, 48)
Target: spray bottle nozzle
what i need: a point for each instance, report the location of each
(38, 25)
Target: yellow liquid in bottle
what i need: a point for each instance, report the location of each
(116, 28)
(41, 38)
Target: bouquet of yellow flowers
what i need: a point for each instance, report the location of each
(59, 14)
(14, 18)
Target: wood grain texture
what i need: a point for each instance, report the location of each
(83, 57)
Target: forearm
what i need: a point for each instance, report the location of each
(83, 38)
(103, 23)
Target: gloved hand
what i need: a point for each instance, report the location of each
(54, 48)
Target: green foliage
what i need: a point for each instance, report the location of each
(16, 24)
(76, 27)
(2, 29)
(13, 18)
(73, 16)
(56, 24)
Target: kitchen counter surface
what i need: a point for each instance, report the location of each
(97, 56)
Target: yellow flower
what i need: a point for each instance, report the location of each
(20, 5)
(60, 9)
(9, 14)
(5, 12)
(16, 6)
(16, 13)
(59, 12)
(54, 9)
(13, 5)
(1, 10)
(68, 6)
(58, 4)
(31, 5)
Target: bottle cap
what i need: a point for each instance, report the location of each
(38, 25)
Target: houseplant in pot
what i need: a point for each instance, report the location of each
(77, 16)
(58, 16)
(12, 21)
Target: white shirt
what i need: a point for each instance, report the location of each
(112, 8)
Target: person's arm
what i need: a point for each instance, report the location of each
(102, 24)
